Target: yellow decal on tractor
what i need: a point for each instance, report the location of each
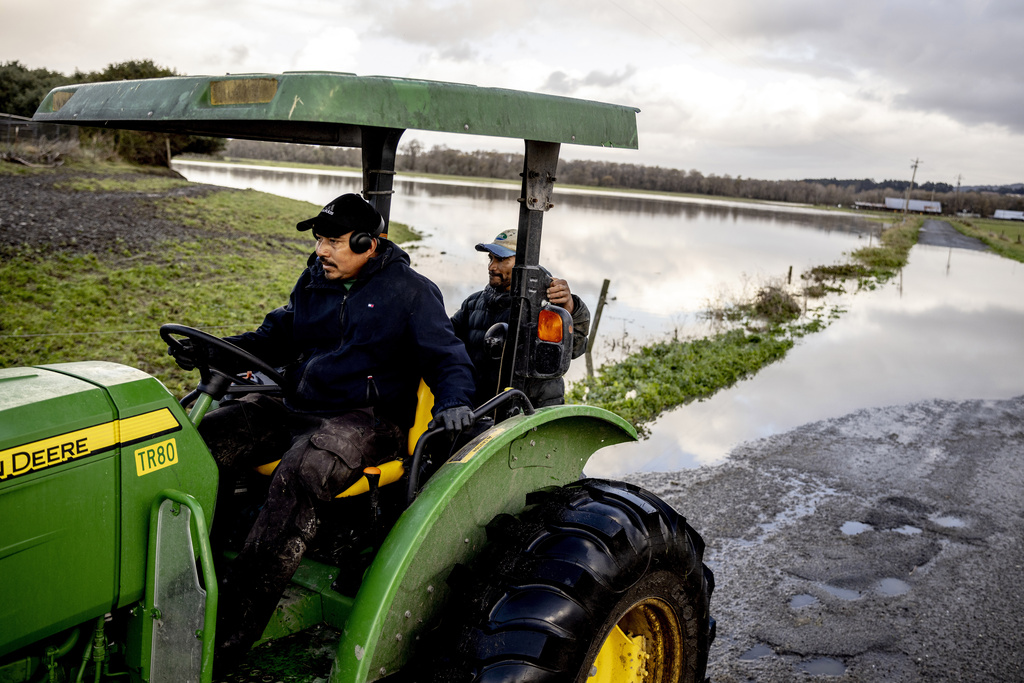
(81, 443)
(466, 456)
(156, 457)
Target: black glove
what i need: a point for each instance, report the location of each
(184, 354)
(453, 419)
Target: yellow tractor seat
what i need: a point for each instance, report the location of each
(391, 471)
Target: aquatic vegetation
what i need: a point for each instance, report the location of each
(668, 374)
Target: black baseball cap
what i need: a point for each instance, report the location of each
(345, 214)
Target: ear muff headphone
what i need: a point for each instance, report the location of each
(362, 242)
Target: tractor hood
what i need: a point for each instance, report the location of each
(49, 418)
(84, 450)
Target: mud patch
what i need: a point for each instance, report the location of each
(925, 590)
(35, 213)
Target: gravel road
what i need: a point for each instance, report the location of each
(885, 545)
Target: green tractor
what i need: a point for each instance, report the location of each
(498, 563)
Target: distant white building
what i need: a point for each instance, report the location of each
(1009, 215)
(915, 205)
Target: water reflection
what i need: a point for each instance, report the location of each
(950, 328)
(952, 335)
(667, 258)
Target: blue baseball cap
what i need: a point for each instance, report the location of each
(503, 246)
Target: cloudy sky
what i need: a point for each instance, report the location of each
(777, 90)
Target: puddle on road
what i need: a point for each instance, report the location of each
(802, 600)
(854, 528)
(907, 530)
(756, 652)
(823, 666)
(841, 593)
(892, 586)
(948, 521)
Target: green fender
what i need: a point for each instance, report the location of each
(405, 590)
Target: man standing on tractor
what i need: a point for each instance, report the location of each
(359, 331)
(493, 304)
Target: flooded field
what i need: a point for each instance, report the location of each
(949, 327)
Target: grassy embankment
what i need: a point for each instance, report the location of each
(240, 262)
(669, 374)
(1006, 238)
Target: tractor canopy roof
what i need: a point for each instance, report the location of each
(329, 108)
(372, 113)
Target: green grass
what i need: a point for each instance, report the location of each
(242, 262)
(669, 374)
(1006, 238)
(869, 266)
(132, 184)
(666, 375)
(74, 160)
(885, 260)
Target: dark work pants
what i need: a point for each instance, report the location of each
(320, 457)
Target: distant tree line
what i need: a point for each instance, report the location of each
(413, 158)
(22, 89)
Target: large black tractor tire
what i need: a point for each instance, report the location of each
(595, 581)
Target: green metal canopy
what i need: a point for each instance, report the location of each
(328, 108)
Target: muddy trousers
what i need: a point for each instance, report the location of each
(322, 456)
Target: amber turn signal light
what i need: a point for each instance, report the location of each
(549, 326)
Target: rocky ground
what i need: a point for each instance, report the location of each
(885, 545)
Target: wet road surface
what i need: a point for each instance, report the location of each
(941, 234)
(885, 545)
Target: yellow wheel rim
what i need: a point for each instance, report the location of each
(645, 646)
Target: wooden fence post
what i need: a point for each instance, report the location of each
(593, 328)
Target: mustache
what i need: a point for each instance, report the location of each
(325, 262)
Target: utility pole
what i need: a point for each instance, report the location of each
(906, 201)
(956, 208)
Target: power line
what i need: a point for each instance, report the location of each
(645, 24)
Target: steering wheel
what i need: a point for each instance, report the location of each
(216, 379)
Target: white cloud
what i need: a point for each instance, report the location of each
(788, 89)
(333, 49)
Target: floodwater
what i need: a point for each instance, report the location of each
(950, 327)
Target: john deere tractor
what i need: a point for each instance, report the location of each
(492, 560)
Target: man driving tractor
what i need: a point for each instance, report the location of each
(358, 332)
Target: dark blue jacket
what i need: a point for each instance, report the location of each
(368, 345)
